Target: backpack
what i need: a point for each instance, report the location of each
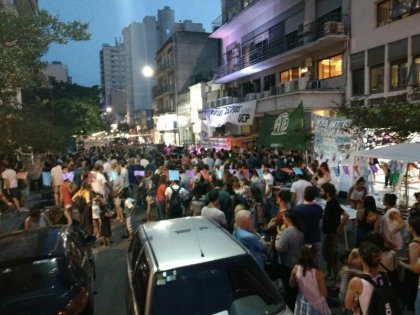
(175, 201)
(383, 299)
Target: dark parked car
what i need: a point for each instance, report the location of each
(47, 271)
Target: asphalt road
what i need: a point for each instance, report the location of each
(111, 278)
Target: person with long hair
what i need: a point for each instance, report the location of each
(368, 219)
(392, 223)
(288, 245)
(413, 264)
(357, 194)
(360, 290)
(312, 291)
(322, 175)
(257, 209)
(160, 197)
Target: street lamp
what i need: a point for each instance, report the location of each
(108, 109)
(148, 71)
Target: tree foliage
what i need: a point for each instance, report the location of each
(51, 116)
(24, 39)
(383, 123)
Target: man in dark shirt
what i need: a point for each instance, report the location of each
(310, 215)
(333, 223)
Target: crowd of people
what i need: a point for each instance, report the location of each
(273, 212)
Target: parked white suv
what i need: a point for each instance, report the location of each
(193, 266)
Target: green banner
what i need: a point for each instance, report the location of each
(285, 130)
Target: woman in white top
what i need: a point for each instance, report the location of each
(392, 223)
(359, 291)
(312, 291)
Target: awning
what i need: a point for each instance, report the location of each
(407, 152)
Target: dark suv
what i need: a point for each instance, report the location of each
(47, 271)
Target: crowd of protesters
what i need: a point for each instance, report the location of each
(252, 193)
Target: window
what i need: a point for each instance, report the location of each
(290, 74)
(330, 67)
(398, 75)
(377, 79)
(392, 10)
(416, 70)
(141, 280)
(358, 82)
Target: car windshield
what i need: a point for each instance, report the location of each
(231, 286)
(30, 280)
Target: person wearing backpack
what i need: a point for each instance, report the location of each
(174, 196)
(371, 292)
(412, 266)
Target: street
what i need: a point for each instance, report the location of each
(110, 297)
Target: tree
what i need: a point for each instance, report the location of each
(24, 39)
(388, 122)
(51, 116)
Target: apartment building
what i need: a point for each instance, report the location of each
(112, 70)
(275, 55)
(185, 59)
(137, 50)
(384, 51)
(57, 71)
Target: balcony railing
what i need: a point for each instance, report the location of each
(163, 66)
(160, 110)
(233, 8)
(331, 24)
(159, 90)
(295, 86)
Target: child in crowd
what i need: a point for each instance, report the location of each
(129, 208)
(106, 231)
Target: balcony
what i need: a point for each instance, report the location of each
(288, 89)
(161, 90)
(161, 110)
(320, 34)
(164, 67)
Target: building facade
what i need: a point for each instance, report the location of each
(137, 50)
(276, 54)
(112, 70)
(384, 52)
(57, 71)
(185, 59)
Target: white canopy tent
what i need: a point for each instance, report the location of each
(406, 152)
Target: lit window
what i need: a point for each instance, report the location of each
(377, 79)
(284, 76)
(398, 75)
(392, 10)
(416, 71)
(330, 67)
(290, 74)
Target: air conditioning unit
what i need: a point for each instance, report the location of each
(333, 28)
(250, 96)
(282, 88)
(235, 100)
(288, 86)
(303, 83)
